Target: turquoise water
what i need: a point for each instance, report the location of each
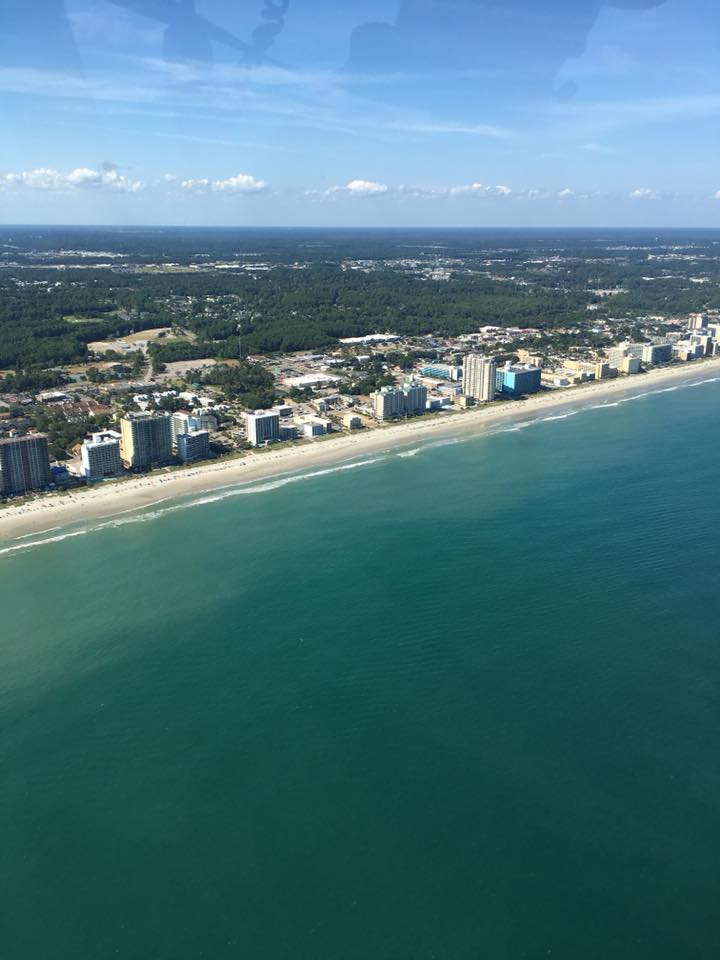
(459, 704)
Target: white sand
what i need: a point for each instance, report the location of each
(55, 510)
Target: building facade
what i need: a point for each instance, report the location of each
(185, 422)
(479, 374)
(415, 397)
(193, 446)
(388, 403)
(101, 455)
(657, 353)
(517, 380)
(441, 371)
(145, 440)
(391, 403)
(263, 426)
(24, 464)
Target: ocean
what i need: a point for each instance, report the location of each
(457, 702)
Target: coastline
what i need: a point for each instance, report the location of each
(105, 501)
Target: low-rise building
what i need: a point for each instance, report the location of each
(442, 371)
(316, 427)
(351, 421)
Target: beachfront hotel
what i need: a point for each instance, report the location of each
(263, 426)
(391, 403)
(100, 455)
(517, 379)
(183, 421)
(479, 378)
(24, 464)
(146, 439)
(193, 446)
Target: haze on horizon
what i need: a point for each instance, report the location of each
(392, 112)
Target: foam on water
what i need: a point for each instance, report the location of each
(135, 515)
(138, 515)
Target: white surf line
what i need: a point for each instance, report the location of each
(145, 514)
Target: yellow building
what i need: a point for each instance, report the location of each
(145, 439)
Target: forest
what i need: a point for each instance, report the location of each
(285, 291)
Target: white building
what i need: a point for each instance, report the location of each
(101, 455)
(263, 426)
(193, 446)
(416, 395)
(351, 421)
(388, 403)
(184, 422)
(479, 378)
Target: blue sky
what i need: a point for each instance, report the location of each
(366, 112)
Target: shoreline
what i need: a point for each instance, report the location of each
(54, 511)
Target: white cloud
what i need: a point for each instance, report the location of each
(366, 188)
(370, 188)
(716, 196)
(644, 193)
(240, 183)
(480, 191)
(355, 188)
(82, 178)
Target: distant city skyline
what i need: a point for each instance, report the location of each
(403, 113)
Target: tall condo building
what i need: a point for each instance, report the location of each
(193, 446)
(185, 422)
(146, 439)
(415, 397)
(518, 379)
(24, 464)
(388, 403)
(479, 374)
(101, 455)
(262, 427)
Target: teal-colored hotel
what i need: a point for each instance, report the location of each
(518, 380)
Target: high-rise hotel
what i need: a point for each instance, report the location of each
(479, 378)
(24, 464)
(146, 439)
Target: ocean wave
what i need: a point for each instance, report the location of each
(145, 515)
(135, 515)
(560, 416)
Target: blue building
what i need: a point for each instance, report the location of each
(518, 380)
(441, 371)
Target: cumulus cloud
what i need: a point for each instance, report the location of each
(644, 193)
(354, 188)
(480, 191)
(82, 178)
(240, 183)
(370, 188)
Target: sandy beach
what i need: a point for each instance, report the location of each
(106, 500)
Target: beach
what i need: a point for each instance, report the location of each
(52, 511)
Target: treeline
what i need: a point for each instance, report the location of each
(248, 383)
